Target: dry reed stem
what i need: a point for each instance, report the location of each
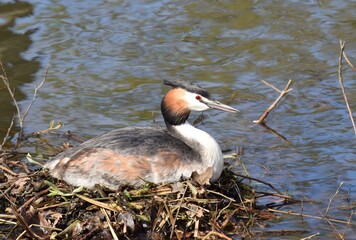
(20, 236)
(196, 227)
(100, 204)
(342, 48)
(112, 231)
(7, 216)
(332, 198)
(348, 61)
(274, 104)
(222, 195)
(335, 231)
(169, 213)
(3, 221)
(310, 237)
(327, 219)
(180, 205)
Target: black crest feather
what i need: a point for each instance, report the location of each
(189, 86)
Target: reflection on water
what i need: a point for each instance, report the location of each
(19, 70)
(108, 58)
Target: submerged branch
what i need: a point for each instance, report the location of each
(260, 181)
(310, 216)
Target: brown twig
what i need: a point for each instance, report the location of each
(3, 194)
(21, 116)
(274, 104)
(311, 236)
(342, 48)
(8, 170)
(348, 61)
(33, 198)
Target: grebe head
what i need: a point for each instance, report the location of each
(186, 97)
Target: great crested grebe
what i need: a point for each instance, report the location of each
(134, 155)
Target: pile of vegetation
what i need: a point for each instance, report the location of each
(37, 206)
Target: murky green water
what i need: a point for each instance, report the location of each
(108, 58)
(19, 69)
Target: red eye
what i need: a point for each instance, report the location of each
(198, 97)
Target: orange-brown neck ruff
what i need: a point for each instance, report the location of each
(174, 108)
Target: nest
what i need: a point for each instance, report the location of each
(38, 206)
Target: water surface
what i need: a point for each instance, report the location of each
(108, 58)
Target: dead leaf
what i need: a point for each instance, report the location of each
(32, 218)
(55, 216)
(43, 222)
(19, 182)
(20, 185)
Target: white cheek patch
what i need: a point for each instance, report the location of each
(193, 103)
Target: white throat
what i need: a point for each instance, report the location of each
(205, 144)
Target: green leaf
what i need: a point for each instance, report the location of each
(32, 161)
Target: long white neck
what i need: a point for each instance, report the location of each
(203, 143)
